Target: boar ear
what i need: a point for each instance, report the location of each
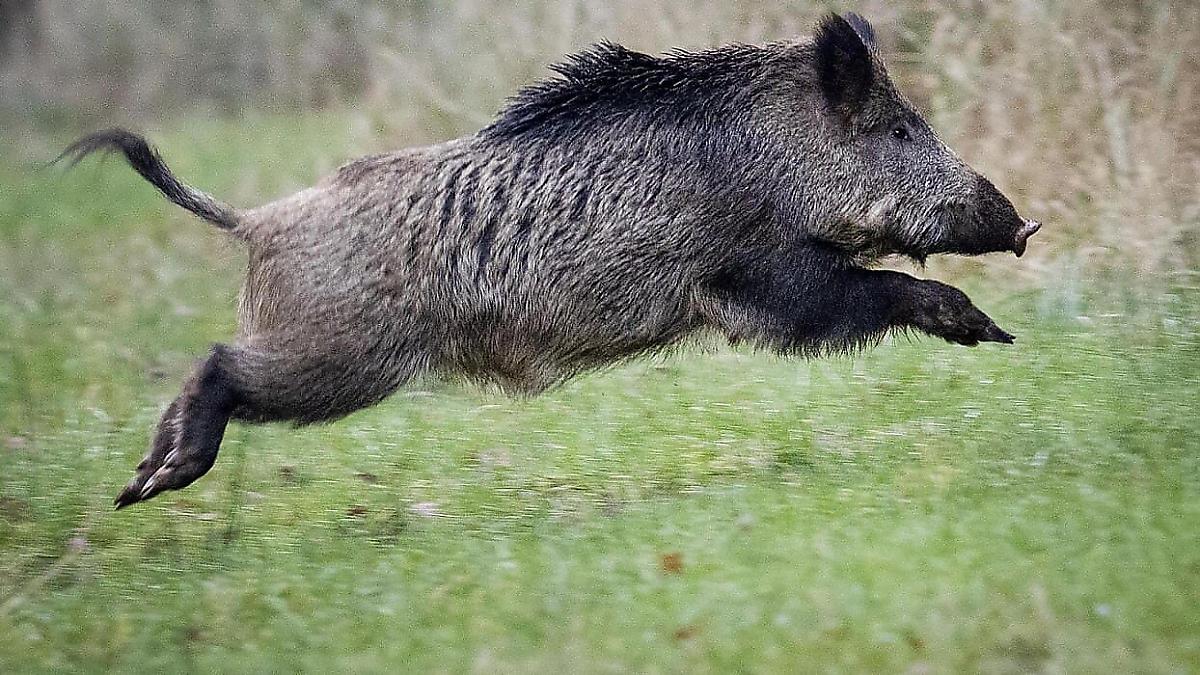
(866, 32)
(844, 67)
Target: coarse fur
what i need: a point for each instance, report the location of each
(628, 203)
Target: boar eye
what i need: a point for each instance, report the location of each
(900, 133)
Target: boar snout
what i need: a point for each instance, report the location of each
(991, 225)
(1023, 234)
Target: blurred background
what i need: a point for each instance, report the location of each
(1088, 111)
(918, 508)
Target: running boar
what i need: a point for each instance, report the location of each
(609, 212)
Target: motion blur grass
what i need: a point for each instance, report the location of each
(919, 507)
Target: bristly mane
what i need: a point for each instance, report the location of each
(608, 78)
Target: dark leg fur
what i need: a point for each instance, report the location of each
(254, 384)
(809, 300)
(945, 311)
(188, 436)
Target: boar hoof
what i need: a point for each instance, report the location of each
(947, 312)
(188, 437)
(164, 442)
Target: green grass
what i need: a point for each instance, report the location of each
(920, 507)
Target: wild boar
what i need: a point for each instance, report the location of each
(609, 212)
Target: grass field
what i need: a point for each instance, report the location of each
(917, 508)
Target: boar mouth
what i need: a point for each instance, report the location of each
(1021, 238)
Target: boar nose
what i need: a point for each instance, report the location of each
(1023, 234)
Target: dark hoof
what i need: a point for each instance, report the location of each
(994, 333)
(165, 440)
(948, 313)
(184, 449)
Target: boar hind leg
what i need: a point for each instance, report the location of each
(189, 434)
(257, 384)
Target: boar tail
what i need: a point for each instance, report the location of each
(146, 162)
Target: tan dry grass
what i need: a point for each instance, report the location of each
(1086, 112)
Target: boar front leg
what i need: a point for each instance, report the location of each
(809, 301)
(857, 305)
(943, 311)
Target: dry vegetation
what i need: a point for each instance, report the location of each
(1088, 111)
